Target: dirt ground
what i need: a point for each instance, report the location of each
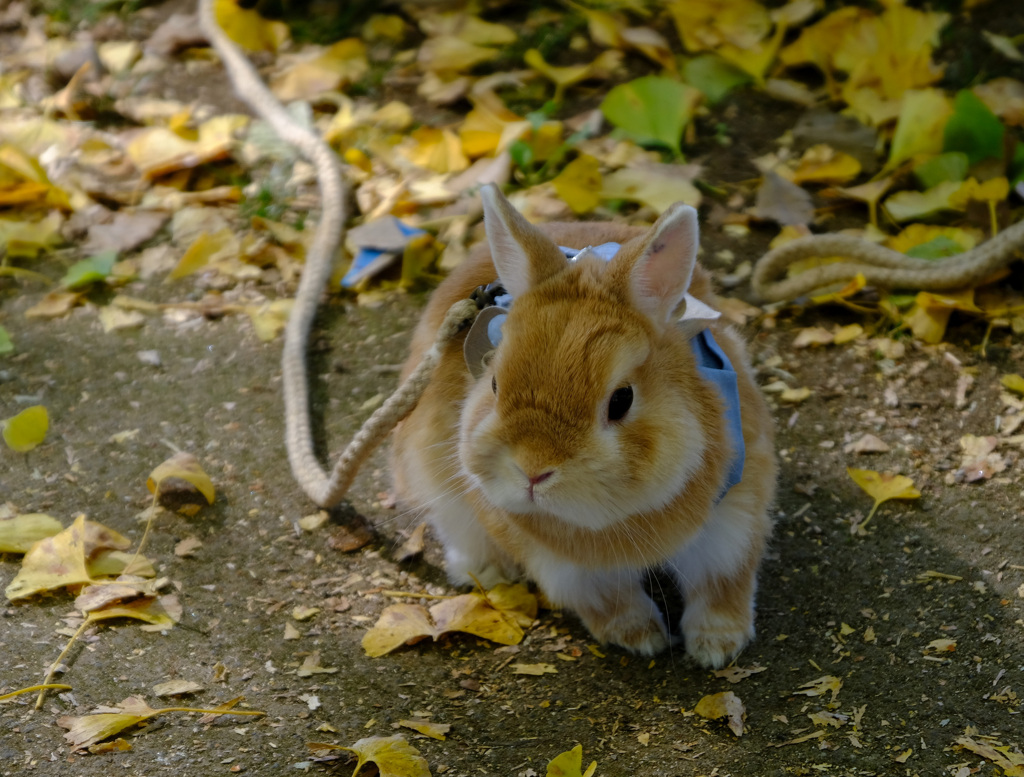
(863, 609)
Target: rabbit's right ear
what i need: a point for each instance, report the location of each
(523, 255)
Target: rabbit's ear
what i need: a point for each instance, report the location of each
(523, 255)
(661, 273)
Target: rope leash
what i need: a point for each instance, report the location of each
(880, 266)
(325, 490)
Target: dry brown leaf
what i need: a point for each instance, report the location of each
(734, 674)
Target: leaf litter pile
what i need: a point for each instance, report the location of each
(129, 208)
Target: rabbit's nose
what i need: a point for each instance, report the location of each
(538, 479)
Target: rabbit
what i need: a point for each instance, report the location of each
(588, 448)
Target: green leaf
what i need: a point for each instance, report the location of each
(522, 154)
(973, 129)
(936, 248)
(6, 344)
(714, 76)
(1017, 165)
(95, 268)
(951, 166)
(27, 429)
(652, 110)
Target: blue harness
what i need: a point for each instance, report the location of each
(712, 363)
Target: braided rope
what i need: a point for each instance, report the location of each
(880, 266)
(325, 491)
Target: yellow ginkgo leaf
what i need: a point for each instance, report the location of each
(181, 466)
(205, 249)
(428, 729)
(570, 764)
(20, 533)
(490, 128)
(579, 184)
(393, 756)
(930, 315)
(27, 429)
(823, 164)
(564, 77)
(723, 705)
(341, 64)
(247, 28)
(61, 561)
(915, 235)
(447, 53)
(919, 128)
(882, 488)
(1013, 382)
(86, 730)
(437, 150)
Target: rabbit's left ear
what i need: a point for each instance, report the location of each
(660, 276)
(523, 255)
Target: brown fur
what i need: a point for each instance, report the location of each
(543, 416)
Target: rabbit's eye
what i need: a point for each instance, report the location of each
(494, 384)
(620, 403)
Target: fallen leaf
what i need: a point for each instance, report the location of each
(500, 616)
(919, 129)
(187, 547)
(54, 305)
(827, 684)
(340, 65)
(940, 646)
(723, 705)
(20, 533)
(425, 727)
(399, 624)
(570, 764)
(27, 429)
(393, 756)
(869, 443)
(734, 674)
(535, 670)
(823, 164)
(247, 28)
(1011, 761)
(347, 539)
(564, 77)
(882, 488)
(973, 129)
(1013, 382)
(659, 186)
(412, 547)
(311, 666)
(95, 269)
(813, 335)
(652, 110)
(176, 688)
(86, 730)
(181, 466)
(579, 184)
(125, 232)
(782, 201)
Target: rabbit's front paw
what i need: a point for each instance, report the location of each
(713, 640)
(635, 630)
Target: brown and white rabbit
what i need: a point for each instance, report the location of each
(591, 448)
